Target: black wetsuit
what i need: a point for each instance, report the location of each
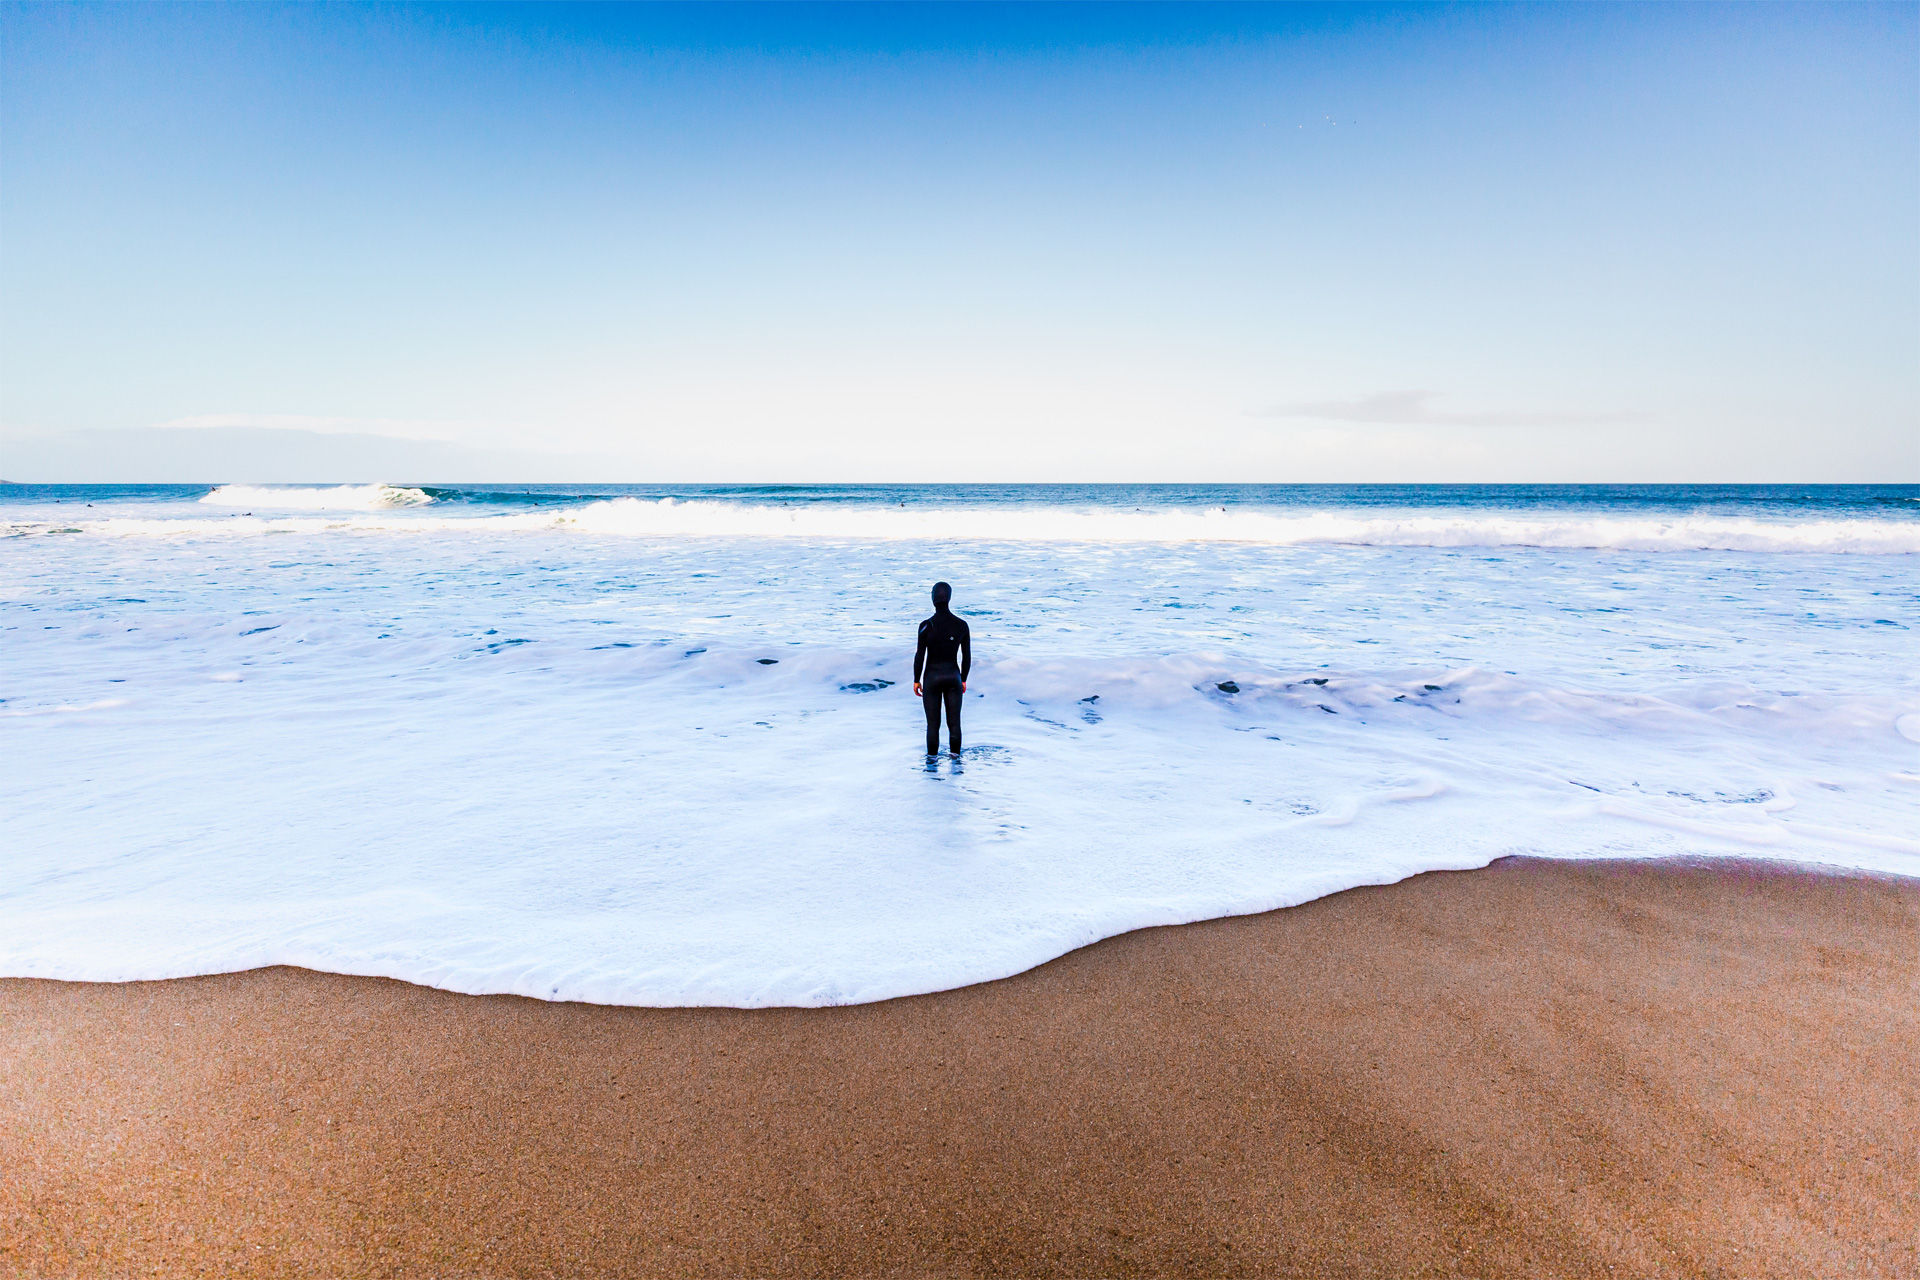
(946, 654)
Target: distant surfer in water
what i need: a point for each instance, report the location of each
(940, 666)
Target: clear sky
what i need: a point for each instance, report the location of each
(976, 242)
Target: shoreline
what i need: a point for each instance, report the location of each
(1575, 1068)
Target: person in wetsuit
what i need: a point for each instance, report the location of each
(940, 666)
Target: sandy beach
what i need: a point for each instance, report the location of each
(1537, 1069)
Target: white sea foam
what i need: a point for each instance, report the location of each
(675, 518)
(678, 519)
(342, 497)
(559, 763)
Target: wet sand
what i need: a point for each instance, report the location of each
(1537, 1069)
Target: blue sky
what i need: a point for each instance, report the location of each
(968, 242)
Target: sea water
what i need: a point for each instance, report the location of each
(658, 746)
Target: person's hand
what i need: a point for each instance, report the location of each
(916, 689)
(963, 686)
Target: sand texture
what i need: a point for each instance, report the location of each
(1540, 1069)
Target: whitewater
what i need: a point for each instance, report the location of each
(657, 746)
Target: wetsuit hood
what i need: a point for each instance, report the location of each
(942, 593)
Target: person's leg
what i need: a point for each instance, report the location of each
(954, 695)
(930, 700)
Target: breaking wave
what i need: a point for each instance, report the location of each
(668, 517)
(341, 497)
(391, 508)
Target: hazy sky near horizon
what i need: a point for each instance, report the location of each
(975, 242)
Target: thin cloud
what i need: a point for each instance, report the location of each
(1414, 408)
(393, 428)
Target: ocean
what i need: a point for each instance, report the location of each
(656, 745)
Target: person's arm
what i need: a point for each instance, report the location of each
(966, 654)
(919, 658)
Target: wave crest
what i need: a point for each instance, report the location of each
(669, 517)
(387, 508)
(341, 497)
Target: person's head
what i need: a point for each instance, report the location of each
(941, 594)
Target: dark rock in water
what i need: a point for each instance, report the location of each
(691, 652)
(1316, 679)
(1324, 707)
(1431, 688)
(1227, 686)
(766, 662)
(866, 686)
(1094, 698)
